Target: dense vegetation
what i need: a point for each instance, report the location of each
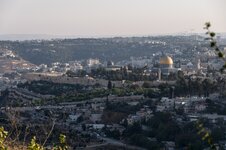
(135, 74)
(6, 143)
(71, 93)
(50, 88)
(163, 127)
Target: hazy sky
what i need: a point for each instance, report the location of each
(110, 17)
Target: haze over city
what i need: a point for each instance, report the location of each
(112, 74)
(99, 18)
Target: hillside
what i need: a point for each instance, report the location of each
(117, 49)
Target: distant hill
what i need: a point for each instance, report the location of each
(116, 49)
(9, 63)
(23, 37)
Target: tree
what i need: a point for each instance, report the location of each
(207, 87)
(146, 85)
(109, 85)
(217, 134)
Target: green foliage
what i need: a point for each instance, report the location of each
(163, 127)
(63, 144)
(213, 107)
(212, 34)
(34, 145)
(135, 74)
(205, 135)
(80, 96)
(213, 43)
(46, 87)
(207, 25)
(122, 107)
(143, 141)
(220, 54)
(135, 128)
(3, 135)
(112, 133)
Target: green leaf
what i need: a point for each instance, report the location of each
(220, 55)
(207, 24)
(212, 43)
(212, 34)
(217, 49)
(224, 66)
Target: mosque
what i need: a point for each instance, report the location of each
(164, 66)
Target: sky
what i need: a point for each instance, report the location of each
(95, 18)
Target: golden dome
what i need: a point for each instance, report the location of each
(166, 60)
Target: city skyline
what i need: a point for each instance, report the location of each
(99, 18)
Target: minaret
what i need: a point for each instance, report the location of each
(159, 74)
(198, 65)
